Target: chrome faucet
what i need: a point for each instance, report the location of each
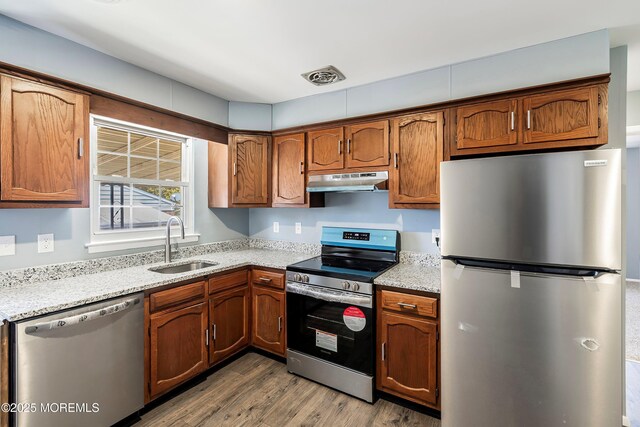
(167, 246)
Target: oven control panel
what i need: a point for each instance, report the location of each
(356, 235)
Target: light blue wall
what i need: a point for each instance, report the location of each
(72, 228)
(570, 58)
(348, 209)
(633, 108)
(633, 213)
(248, 115)
(566, 59)
(38, 50)
(31, 48)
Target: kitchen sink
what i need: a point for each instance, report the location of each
(182, 267)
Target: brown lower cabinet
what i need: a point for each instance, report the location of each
(195, 325)
(268, 328)
(178, 346)
(408, 350)
(229, 318)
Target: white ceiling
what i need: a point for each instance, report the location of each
(255, 50)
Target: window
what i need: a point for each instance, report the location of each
(140, 178)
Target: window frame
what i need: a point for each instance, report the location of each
(112, 240)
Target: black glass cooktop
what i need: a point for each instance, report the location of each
(362, 270)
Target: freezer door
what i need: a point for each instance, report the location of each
(557, 208)
(545, 354)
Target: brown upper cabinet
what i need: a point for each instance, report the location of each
(325, 150)
(356, 146)
(250, 169)
(490, 124)
(240, 172)
(289, 170)
(575, 117)
(367, 144)
(418, 147)
(560, 116)
(44, 149)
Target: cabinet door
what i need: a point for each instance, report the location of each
(408, 357)
(557, 116)
(325, 149)
(229, 317)
(43, 145)
(288, 170)
(418, 150)
(368, 144)
(489, 124)
(178, 346)
(249, 169)
(268, 331)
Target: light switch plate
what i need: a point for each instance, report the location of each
(435, 233)
(276, 227)
(45, 243)
(7, 245)
(298, 228)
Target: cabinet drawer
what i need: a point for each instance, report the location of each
(411, 304)
(171, 297)
(267, 278)
(227, 281)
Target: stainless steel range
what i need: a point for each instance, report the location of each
(331, 310)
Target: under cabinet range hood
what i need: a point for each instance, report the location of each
(347, 182)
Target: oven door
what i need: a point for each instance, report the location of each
(332, 325)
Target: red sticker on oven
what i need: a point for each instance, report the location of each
(354, 318)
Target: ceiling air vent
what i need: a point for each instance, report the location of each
(324, 76)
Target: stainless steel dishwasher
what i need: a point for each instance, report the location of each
(80, 367)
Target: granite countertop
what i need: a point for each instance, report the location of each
(27, 300)
(31, 297)
(411, 276)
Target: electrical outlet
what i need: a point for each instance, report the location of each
(7, 245)
(435, 233)
(298, 228)
(276, 227)
(45, 243)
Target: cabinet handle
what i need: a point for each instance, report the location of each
(513, 120)
(264, 279)
(279, 323)
(395, 160)
(405, 305)
(234, 168)
(301, 168)
(528, 119)
(214, 332)
(339, 146)
(383, 347)
(349, 145)
(80, 147)
(206, 335)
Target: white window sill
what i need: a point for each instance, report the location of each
(136, 243)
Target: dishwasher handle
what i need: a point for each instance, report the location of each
(83, 317)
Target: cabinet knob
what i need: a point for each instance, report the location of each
(80, 147)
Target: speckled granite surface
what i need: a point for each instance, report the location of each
(98, 265)
(29, 299)
(420, 258)
(411, 276)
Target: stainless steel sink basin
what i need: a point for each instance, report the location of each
(182, 267)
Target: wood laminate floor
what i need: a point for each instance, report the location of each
(257, 391)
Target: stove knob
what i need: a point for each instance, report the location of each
(305, 278)
(346, 285)
(355, 286)
(297, 277)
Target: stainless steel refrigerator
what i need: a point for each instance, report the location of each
(531, 290)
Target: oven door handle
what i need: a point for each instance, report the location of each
(330, 295)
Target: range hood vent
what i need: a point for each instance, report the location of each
(347, 182)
